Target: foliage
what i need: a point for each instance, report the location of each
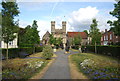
(77, 40)
(105, 50)
(97, 66)
(39, 49)
(15, 52)
(9, 25)
(55, 41)
(47, 52)
(29, 35)
(22, 68)
(115, 25)
(94, 33)
(59, 41)
(86, 31)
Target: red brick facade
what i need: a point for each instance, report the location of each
(108, 38)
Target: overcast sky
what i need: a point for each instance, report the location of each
(77, 14)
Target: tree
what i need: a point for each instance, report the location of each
(0, 26)
(86, 31)
(52, 39)
(77, 40)
(9, 26)
(95, 34)
(30, 35)
(115, 25)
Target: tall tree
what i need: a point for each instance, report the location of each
(86, 31)
(77, 40)
(35, 33)
(9, 26)
(52, 39)
(115, 25)
(94, 32)
(30, 35)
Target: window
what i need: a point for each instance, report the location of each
(110, 36)
(104, 38)
(11, 43)
(101, 38)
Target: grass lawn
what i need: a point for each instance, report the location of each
(97, 66)
(22, 68)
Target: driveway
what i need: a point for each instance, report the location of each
(60, 68)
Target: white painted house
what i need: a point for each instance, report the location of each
(11, 44)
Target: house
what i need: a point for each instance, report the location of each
(11, 44)
(46, 37)
(84, 36)
(109, 38)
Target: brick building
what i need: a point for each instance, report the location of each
(109, 38)
(84, 36)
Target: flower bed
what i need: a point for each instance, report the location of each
(97, 66)
(22, 68)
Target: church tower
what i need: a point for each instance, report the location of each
(64, 26)
(52, 27)
(64, 32)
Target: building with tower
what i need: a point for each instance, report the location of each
(59, 33)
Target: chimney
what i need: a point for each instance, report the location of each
(105, 30)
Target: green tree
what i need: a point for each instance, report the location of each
(86, 31)
(9, 26)
(94, 33)
(52, 39)
(59, 41)
(115, 25)
(77, 40)
(30, 35)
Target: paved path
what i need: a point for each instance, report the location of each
(60, 68)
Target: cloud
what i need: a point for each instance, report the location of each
(43, 27)
(81, 19)
(23, 24)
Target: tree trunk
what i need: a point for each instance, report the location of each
(7, 52)
(95, 48)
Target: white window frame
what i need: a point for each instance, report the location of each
(110, 36)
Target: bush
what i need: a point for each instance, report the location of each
(39, 49)
(16, 52)
(13, 52)
(106, 50)
(47, 52)
(75, 47)
(26, 45)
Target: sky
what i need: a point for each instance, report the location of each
(77, 14)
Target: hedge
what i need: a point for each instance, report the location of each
(106, 50)
(15, 52)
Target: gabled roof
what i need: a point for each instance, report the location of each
(47, 34)
(74, 34)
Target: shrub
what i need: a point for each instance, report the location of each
(39, 49)
(15, 52)
(47, 52)
(75, 47)
(106, 50)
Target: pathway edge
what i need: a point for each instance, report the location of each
(74, 72)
